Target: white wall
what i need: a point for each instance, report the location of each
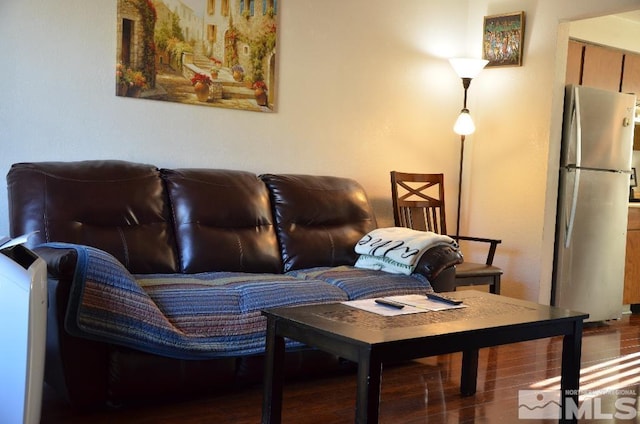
(516, 154)
(364, 89)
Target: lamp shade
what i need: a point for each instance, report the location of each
(468, 68)
(464, 124)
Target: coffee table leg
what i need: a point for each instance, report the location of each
(570, 379)
(273, 376)
(368, 396)
(469, 377)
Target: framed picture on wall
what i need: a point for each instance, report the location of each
(503, 39)
(198, 52)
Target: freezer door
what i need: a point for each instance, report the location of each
(591, 242)
(598, 128)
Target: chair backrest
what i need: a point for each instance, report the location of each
(418, 201)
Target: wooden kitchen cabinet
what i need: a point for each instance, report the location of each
(631, 294)
(631, 75)
(574, 62)
(602, 67)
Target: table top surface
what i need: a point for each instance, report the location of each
(485, 311)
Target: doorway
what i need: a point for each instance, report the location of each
(127, 40)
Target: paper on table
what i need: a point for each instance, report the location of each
(414, 303)
(423, 302)
(370, 305)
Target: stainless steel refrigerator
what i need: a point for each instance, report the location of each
(593, 201)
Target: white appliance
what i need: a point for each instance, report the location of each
(23, 321)
(591, 227)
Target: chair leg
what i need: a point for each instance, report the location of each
(495, 287)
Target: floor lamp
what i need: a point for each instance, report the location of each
(467, 69)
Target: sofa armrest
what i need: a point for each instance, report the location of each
(76, 368)
(445, 281)
(61, 263)
(438, 265)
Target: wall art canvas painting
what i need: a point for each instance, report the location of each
(219, 53)
(503, 38)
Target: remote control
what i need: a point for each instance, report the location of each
(444, 298)
(390, 303)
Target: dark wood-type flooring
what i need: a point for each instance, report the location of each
(422, 391)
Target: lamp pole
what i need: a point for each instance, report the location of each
(462, 137)
(467, 69)
(466, 82)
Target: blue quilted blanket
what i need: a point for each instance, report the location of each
(214, 314)
(187, 316)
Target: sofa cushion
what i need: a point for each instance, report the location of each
(318, 219)
(219, 314)
(185, 316)
(119, 207)
(223, 221)
(360, 283)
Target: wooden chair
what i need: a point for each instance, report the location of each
(418, 203)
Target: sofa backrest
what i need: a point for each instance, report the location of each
(223, 221)
(116, 206)
(190, 220)
(318, 219)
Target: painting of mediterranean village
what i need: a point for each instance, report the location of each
(219, 53)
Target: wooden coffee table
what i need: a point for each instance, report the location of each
(370, 340)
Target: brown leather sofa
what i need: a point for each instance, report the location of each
(183, 221)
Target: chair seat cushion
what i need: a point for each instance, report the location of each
(470, 269)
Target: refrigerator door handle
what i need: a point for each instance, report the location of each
(572, 209)
(577, 139)
(576, 118)
(590, 168)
